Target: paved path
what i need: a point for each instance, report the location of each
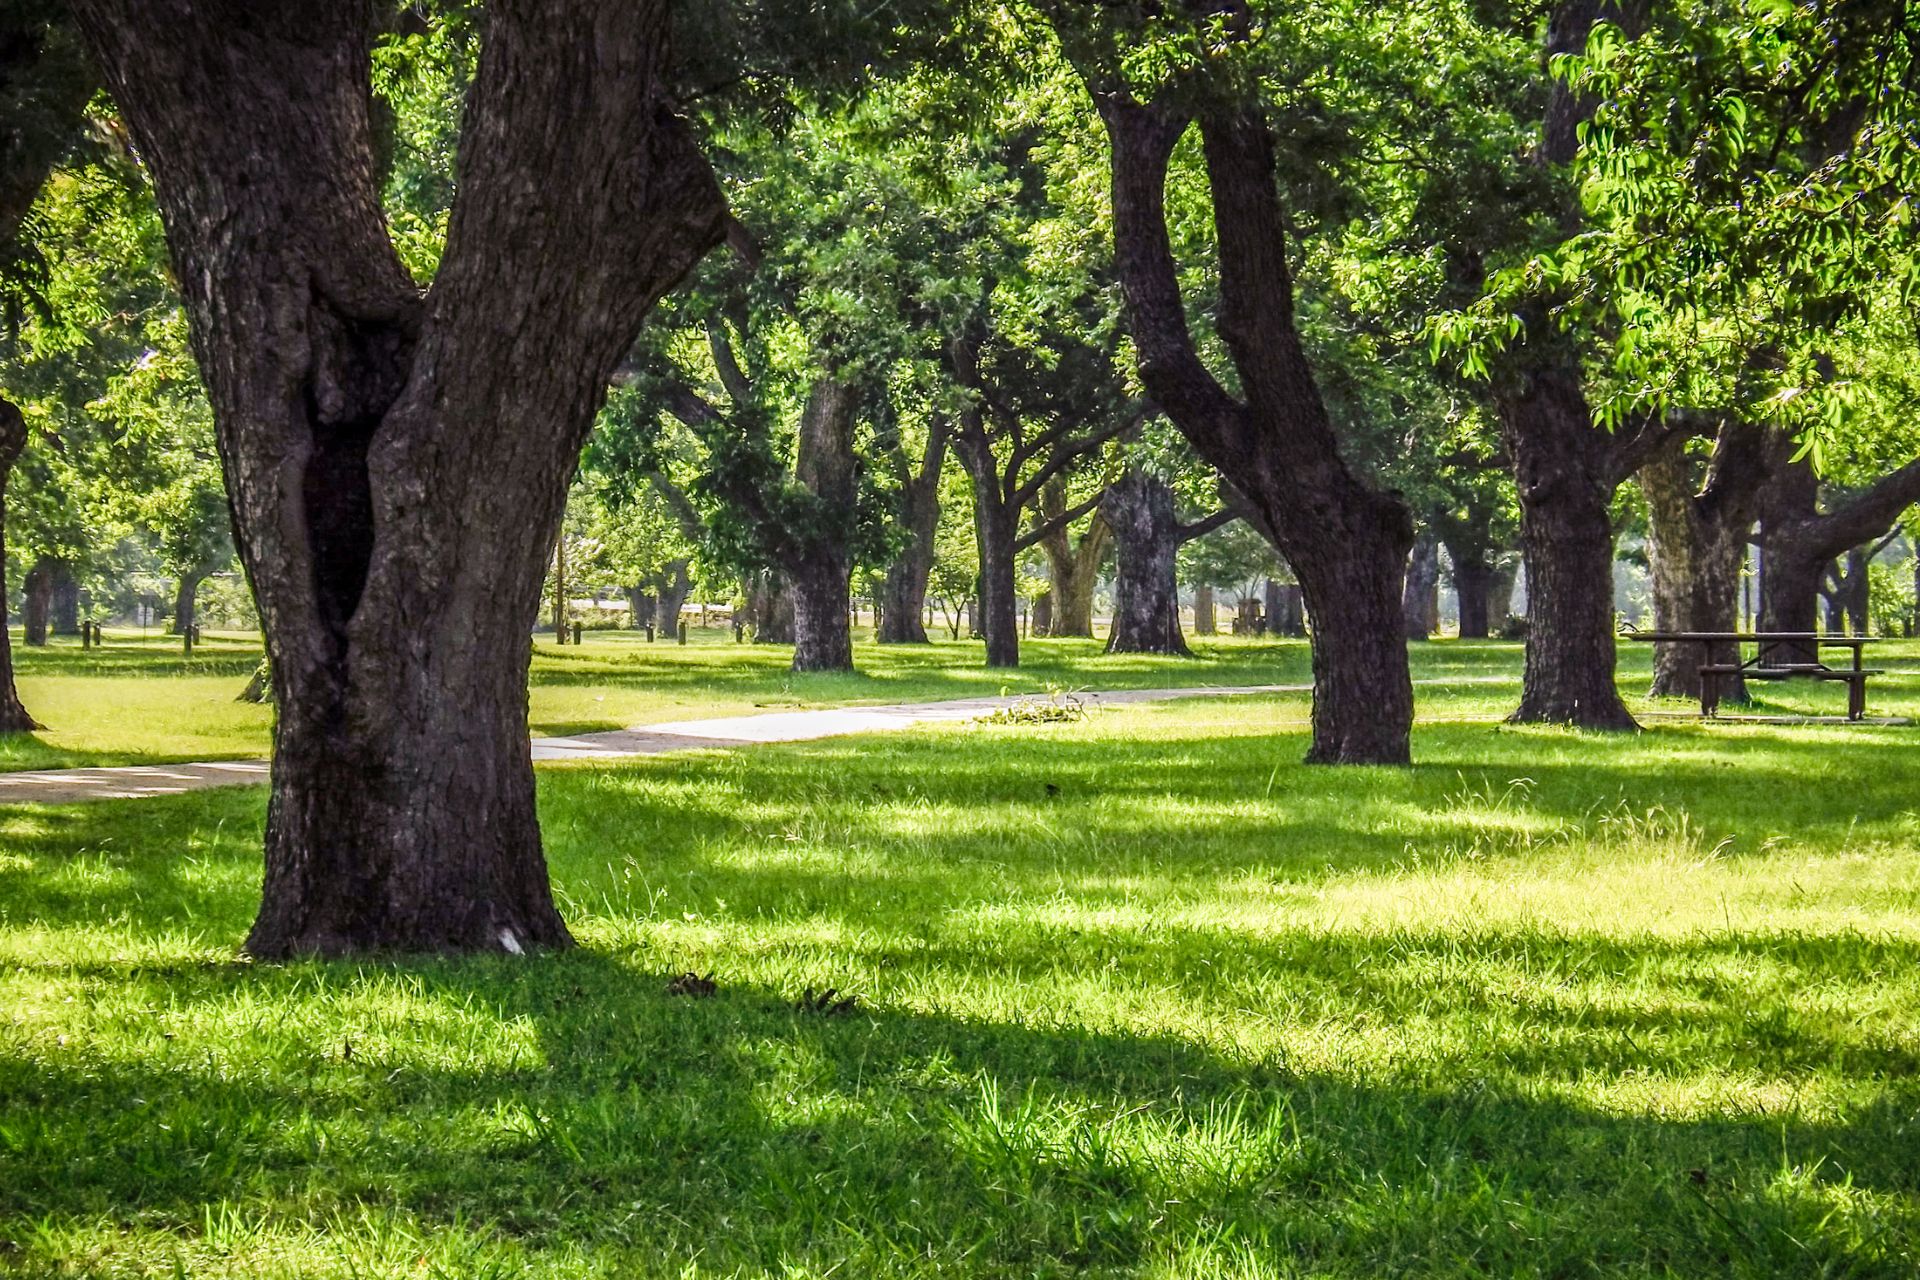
(65, 786)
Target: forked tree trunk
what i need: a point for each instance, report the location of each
(1139, 509)
(1563, 471)
(397, 465)
(671, 589)
(1206, 614)
(37, 601)
(1419, 610)
(1073, 568)
(1346, 541)
(13, 440)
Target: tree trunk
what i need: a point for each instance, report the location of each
(1138, 508)
(821, 566)
(639, 606)
(770, 608)
(1206, 617)
(671, 589)
(13, 440)
(1696, 546)
(1563, 472)
(1419, 609)
(1043, 614)
(37, 602)
(1072, 568)
(1274, 441)
(903, 593)
(1286, 613)
(397, 464)
(995, 613)
(1473, 587)
(64, 612)
(185, 597)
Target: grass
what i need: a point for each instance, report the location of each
(182, 708)
(1136, 996)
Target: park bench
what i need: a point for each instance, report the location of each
(1778, 655)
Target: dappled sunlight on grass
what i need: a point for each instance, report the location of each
(1137, 996)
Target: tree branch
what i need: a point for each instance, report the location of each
(1055, 524)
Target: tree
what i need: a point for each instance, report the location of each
(1274, 439)
(398, 463)
(1140, 508)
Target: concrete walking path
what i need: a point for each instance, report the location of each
(67, 786)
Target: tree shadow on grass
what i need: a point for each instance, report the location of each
(648, 1128)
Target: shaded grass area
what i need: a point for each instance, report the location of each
(1140, 996)
(140, 701)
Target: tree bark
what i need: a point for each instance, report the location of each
(770, 606)
(820, 567)
(1696, 548)
(639, 606)
(1419, 600)
(996, 614)
(1206, 616)
(1346, 540)
(1072, 568)
(1563, 469)
(1139, 509)
(13, 441)
(37, 600)
(1473, 588)
(64, 610)
(903, 594)
(671, 588)
(185, 597)
(397, 464)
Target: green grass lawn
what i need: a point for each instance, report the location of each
(182, 708)
(1139, 996)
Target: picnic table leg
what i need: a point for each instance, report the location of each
(1857, 699)
(1709, 694)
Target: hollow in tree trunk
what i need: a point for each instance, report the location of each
(13, 440)
(1139, 510)
(397, 463)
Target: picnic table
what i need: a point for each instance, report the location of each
(1778, 655)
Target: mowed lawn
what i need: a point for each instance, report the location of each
(1136, 996)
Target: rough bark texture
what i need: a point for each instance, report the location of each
(1206, 614)
(770, 608)
(37, 600)
(1473, 589)
(1286, 614)
(903, 594)
(1139, 509)
(397, 463)
(996, 536)
(1420, 597)
(1346, 541)
(1073, 567)
(1696, 546)
(821, 566)
(639, 607)
(13, 439)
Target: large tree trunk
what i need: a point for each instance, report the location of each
(995, 522)
(1346, 541)
(670, 591)
(1563, 471)
(37, 600)
(903, 593)
(770, 608)
(1473, 588)
(1072, 568)
(1696, 548)
(397, 465)
(186, 594)
(1138, 508)
(821, 568)
(1206, 614)
(639, 606)
(64, 610)
(1419, 600)
(13, 440)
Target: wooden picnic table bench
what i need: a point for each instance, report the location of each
(1779, 655)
